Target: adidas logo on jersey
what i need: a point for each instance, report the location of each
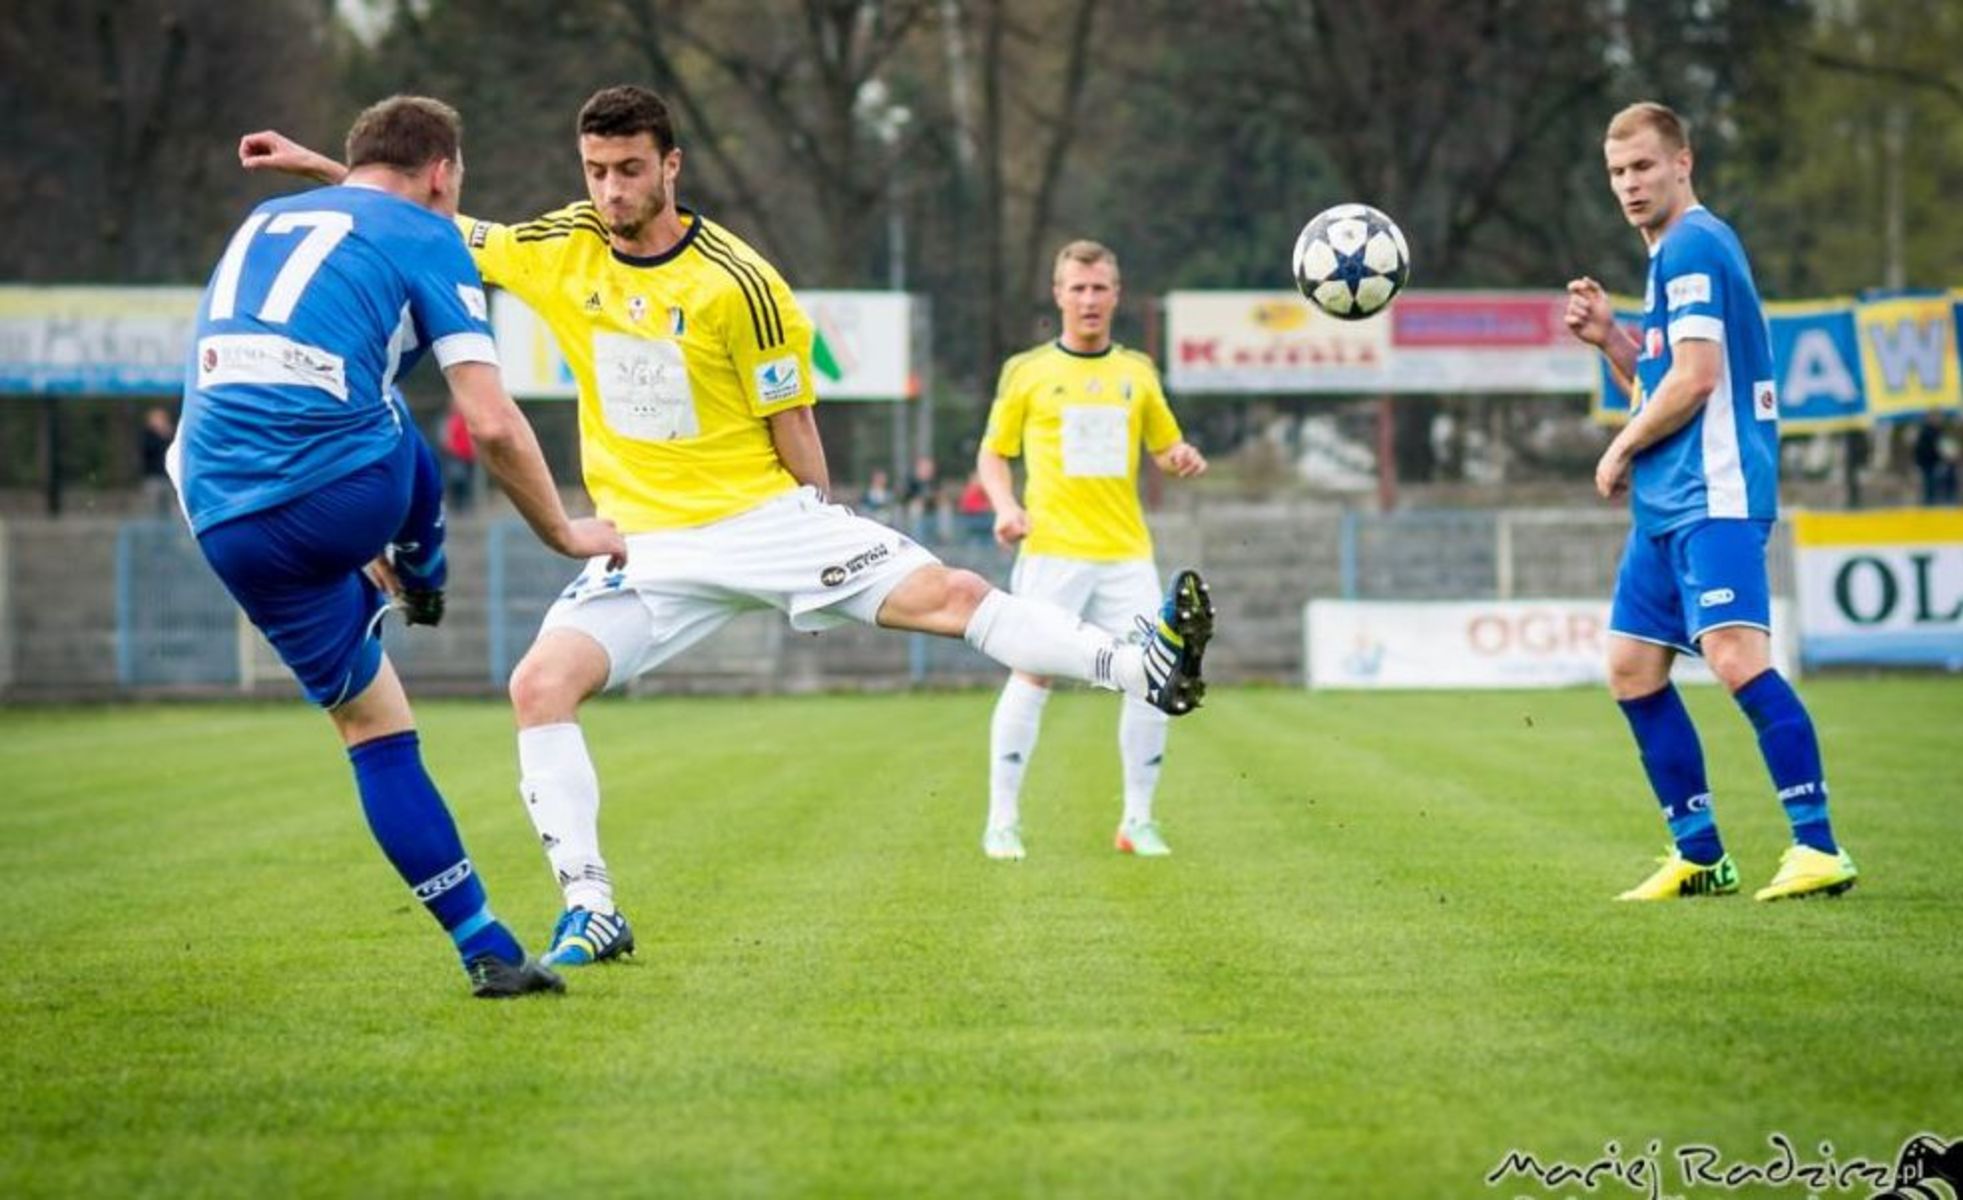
(593, 302)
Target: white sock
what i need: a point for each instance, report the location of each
(1011, 741)
(1041, 639)
(562, 796)
(1141, 748)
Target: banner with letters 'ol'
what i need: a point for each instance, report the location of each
(1844, 364)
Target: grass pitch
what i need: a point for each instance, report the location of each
(1382, 957)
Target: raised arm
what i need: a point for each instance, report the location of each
(270, 150)
(1591, 320)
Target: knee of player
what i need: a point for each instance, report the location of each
(966, 590)
(1734, 666)
(542, 690)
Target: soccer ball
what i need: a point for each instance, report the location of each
(1351, 260)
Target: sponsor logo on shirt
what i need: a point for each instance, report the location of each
(1688, 289)
(473, 301)
(779, 379)
(265, 358)
(480, 233)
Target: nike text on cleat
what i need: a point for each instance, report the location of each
(1676, 878)
(1143, 839)
(1804, 871)
(1003, 844)
(583, 936)
(492, 978)
(1175, 645)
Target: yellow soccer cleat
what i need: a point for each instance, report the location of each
(1679, 878)
(1804, 871)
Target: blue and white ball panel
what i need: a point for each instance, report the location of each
(1674, 587)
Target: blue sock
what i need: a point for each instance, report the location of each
(1674, 760)
(1792, 755)
(410, 820)
(419, 558)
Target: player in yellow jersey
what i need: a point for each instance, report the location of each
(698, 440)
(1076, 410)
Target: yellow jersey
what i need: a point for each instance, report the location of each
(679, 359)
(1077, 421)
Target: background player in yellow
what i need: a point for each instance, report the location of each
(698, 441)
(1076, 410)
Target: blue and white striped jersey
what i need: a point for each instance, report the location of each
(321, 301)
(1725, 461)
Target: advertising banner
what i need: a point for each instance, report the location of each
(1908, 352)
(1477, 644)
(95, 341)
(1881, 587)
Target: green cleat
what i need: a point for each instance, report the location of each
(1804, 871)
(1676, 877)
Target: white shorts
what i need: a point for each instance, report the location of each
(818, 563)
(1106, 594)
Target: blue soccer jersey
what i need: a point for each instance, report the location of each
(321, 301)
(1725, 461)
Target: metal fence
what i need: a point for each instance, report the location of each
(93, 607)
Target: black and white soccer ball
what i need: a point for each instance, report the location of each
(1351, 261)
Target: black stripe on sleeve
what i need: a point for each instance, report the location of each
(743, 284)
(772, 319)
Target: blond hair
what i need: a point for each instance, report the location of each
(1671, 129)
(1085, 251)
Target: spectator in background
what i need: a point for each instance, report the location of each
(976, 514)
(922, 496)
(1935, 457)
(159, 498)
(459, 462)
(877, 499)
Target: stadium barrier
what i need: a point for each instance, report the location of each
(93, 607)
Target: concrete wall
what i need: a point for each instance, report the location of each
(59, 601)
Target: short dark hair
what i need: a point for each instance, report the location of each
(406, 133)
(625, 110)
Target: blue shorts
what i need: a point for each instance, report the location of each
(296, 570)
(1675, 587)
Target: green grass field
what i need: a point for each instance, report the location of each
(1382, 957)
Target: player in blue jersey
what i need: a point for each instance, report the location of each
(1700, 459)
(297, 468)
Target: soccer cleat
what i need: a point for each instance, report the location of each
(1804, 871)
(1143, 839)
(422, 606)
(492, 978)
(1004, 844)
(1175, 645)
(583, 936)
(1678, 878)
